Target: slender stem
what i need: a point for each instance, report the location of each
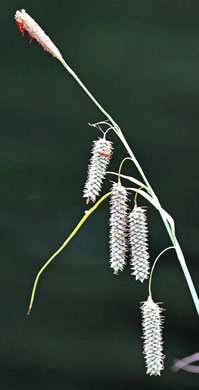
(136, 195)
(67, 67)
(152, 269)
(185, 363)
(120, 168)
(159, 207)
(105, 133)
(187, 275)
(169, 230)
(84, 218)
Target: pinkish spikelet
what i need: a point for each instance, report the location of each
(152, 335)
(25, 22)
(101, 154)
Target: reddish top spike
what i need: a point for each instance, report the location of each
(20, 26)
(26, 23)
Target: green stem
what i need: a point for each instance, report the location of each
(152, 269)
(159, 207)
(173, 238)
(84, 218)
(67, 67)
(120, 168)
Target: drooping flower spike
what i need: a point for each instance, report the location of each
(152, 329)
(101, 155)
(138, 243)
(26, 23)
(118, 227)
(152, 335)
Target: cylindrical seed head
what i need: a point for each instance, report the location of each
(138, 244)
(152, 335)
(118, 227)
(101, 154)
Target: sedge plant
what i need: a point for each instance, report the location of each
(126, 228)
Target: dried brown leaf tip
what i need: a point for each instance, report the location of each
(101, 154)
(152, 335)
(138, 243)
(26, 23)
(118, 227)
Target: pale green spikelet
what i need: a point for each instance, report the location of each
(152, 335)
(118, 227)
(138, 243)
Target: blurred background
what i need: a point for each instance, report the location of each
(140, 59)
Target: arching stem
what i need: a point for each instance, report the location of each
(152, 269)
(159, 207)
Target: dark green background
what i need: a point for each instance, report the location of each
(141, 61)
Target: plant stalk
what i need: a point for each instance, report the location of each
(159, 207)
